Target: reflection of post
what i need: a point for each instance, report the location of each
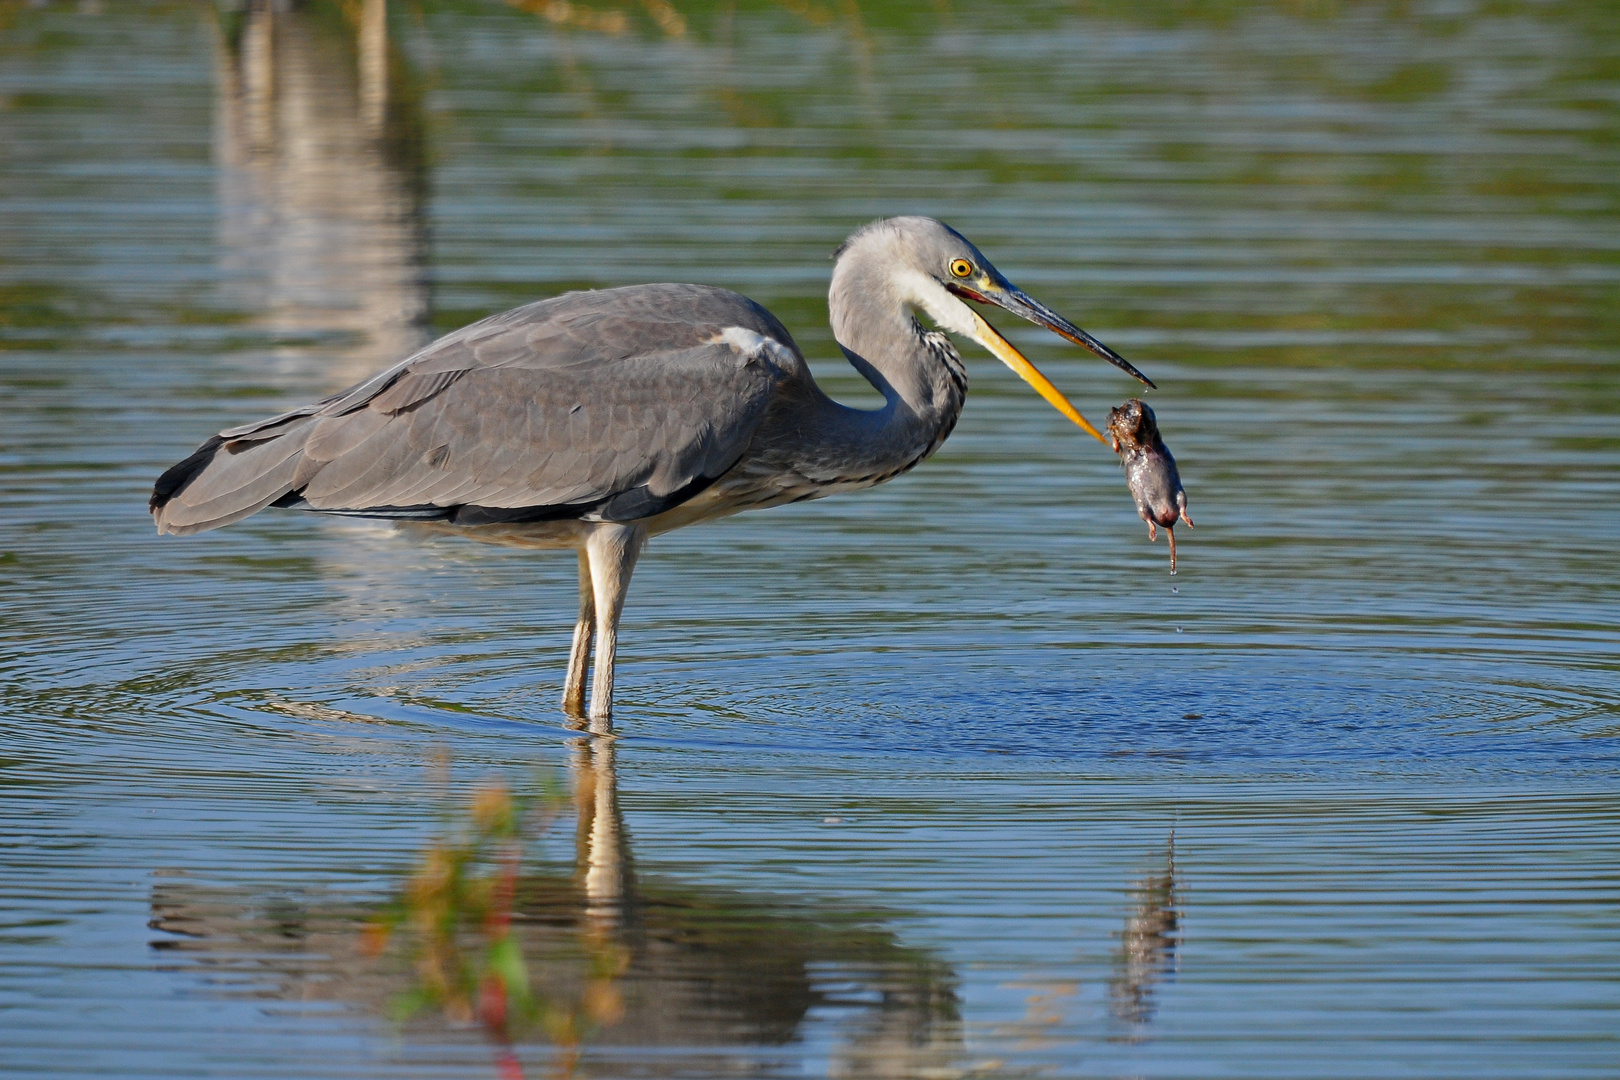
(1147, 949)
(604, 861)
(373, 49)
(257, 86)
(320, 225)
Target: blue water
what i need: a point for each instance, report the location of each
(946, 779)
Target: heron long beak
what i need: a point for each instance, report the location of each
(1004, 294)
(986, 335)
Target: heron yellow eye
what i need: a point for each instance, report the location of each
(961, 268)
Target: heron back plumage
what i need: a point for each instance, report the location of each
(612, 405)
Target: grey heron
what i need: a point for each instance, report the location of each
(594, 420)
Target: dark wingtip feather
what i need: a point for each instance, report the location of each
(178, 476)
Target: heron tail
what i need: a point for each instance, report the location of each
(229, 477)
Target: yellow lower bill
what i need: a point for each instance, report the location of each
(986, 335)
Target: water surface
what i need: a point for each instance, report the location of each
(896, 774)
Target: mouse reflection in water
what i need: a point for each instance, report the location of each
(1133, 432)
(1147, 945)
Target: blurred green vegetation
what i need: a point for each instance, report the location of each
(1270, 178)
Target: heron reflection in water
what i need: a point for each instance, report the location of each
(625, 961)
(595, 420)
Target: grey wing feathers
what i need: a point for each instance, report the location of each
(611, 405)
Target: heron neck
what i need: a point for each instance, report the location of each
(872, 314)
(922, 382)
(917, 371)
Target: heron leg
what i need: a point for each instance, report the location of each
(579, 657)
(612, 549)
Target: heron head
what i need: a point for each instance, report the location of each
(938, 268)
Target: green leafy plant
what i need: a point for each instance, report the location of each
(456, 915)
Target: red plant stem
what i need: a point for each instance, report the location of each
(507, 1066)
(492, 1005)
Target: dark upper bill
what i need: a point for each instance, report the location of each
(1004, 294)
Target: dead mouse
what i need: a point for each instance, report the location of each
(1149, 469)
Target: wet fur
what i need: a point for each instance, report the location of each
(1150, 470)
